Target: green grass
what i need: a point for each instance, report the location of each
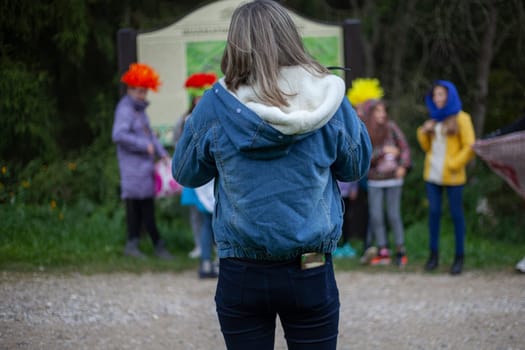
(480, 253)
(90, 239)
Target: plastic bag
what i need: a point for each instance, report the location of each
(165, 184)
(206, 196)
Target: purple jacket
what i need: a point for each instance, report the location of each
(132, 134)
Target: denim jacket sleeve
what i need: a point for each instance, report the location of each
(354, 148)
(193, 164)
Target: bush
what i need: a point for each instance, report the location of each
(28, 113)
(91, 177)
(493, 207)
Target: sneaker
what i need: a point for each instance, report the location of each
(369, 254)
(338, 253)
(520, 266)
(383, 258)
(208, 270)
(401, 259)
(195, 253)
(346, 251)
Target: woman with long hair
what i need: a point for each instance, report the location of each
(388, 167)
(276, 133)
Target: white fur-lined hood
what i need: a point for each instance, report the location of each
(312, 102)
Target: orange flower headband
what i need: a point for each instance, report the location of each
(141, 75)
(197, 83)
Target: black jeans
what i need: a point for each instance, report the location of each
(141, 213)
(251, 294)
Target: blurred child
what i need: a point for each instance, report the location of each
(388, 167)
(361, 91)
(137, 147)
(195, 85)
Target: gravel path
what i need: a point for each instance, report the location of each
(176, 311)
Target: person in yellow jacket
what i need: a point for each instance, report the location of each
(446, 138)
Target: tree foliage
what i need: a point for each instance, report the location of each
(59, 85)
(58, 71)
(27, 113)
(410, 43)
(59, 79)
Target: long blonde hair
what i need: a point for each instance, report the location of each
(262, 38)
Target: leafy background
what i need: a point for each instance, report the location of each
(59, 85)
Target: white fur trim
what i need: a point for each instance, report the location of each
(313, 101)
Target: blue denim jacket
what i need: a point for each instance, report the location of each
(276, 194)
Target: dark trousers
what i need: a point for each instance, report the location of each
(455, 203)
(141, 213)
(250, 295)
(355, 218)
(206, 236)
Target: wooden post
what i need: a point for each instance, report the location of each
(127, 52)
(353, 50)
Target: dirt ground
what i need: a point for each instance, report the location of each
(176, 311)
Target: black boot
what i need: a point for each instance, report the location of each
(457, 265)
(161, 251)
(432, 262)
(132, 249)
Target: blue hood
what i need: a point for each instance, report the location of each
(453, 105)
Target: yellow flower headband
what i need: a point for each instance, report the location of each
(364, 89)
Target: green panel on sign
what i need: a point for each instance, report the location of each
(205, 56)
(325, 50)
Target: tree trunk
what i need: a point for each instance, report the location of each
(486, 55)
(370, 36)
(405, 15)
